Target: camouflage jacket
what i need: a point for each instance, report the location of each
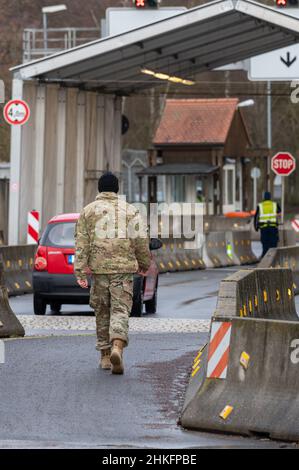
(110, 238)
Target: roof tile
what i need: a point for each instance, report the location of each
(196, 121)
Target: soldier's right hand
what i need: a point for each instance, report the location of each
(83, 284)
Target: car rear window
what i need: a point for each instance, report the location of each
(61, 235)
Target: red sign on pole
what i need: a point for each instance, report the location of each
(16, 112)
(283, 164)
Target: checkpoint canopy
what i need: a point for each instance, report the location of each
(70, 89)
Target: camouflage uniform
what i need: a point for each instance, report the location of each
(112, 242)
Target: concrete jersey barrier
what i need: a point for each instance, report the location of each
(246, 379)
(216, 250)
(285, 257)
(241, 246)
(9, 323)
(18, 264)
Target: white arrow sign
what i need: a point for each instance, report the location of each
(282, 64)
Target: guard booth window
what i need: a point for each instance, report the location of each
(178, 189)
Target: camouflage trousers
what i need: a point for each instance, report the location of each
(111, 297)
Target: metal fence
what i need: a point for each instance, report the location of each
(37, 43)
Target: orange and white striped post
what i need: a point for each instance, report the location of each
(219, 350)
(33, 228)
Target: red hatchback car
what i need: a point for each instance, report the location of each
(54, 282)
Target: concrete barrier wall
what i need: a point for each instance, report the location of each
(246, 379)
(17, 265)
(257, 294)
(216, 250)
(212, 250)
(9, 324)
(285, 257)
(242, 246)
(176, 256)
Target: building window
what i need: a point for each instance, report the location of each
(178, 188)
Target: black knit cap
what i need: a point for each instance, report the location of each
(108, 183)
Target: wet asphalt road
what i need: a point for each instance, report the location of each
(53, 395)
(181, 295)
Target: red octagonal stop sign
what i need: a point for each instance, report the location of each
(283, 163)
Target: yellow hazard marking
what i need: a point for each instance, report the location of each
(277, 295)
(250, 306)
(241, 312)
(20, 262)
(236, 243)
(17, 285)
(172, 247)
(162, 265)
(290, 293)
(28, 283)
(178, 263)
(8, 264)
(242, 242)
(164, 247)
(294, 286)
(200, 261)
(195, 371)
(196, 364)
(265, 294)
(1, 324)
(186, 263)
(170, 264)
(242, 258)
(194, 262)
(244, 360)
(198, 356)
(245, 310)
(31, 261)
(256, 301)
(226, 412)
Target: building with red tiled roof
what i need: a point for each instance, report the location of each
(202, 151)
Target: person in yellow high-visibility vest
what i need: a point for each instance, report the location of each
(266, 220)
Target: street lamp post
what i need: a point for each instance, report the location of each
(45, 12)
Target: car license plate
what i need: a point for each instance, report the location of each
(70, 259)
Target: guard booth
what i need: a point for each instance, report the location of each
(202, 152)
(75, 97)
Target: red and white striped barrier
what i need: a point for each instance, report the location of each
(33, 228)
(295, 225)
(219, 350)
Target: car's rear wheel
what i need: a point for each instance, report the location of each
(151, 305)
(55, 307)
(39, 305)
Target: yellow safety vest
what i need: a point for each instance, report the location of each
(268, 214)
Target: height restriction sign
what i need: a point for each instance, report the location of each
(16, 112)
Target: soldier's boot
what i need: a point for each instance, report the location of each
(116, 357)
(105, 359)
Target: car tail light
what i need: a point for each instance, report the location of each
(40, 262)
